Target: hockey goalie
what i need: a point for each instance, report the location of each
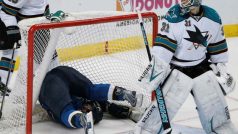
(189, 57)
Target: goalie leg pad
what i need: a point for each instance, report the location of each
(226, 128)
(176, 91)
(212, 107)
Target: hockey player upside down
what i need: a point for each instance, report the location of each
(67, 96)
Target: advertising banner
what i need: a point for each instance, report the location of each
(160, 7)
(226, 9)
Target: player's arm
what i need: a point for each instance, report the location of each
(9, 11)
(218, 52)
(217, 48)
(165, 42)
(9, 28)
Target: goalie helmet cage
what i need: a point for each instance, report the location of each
(107, 47)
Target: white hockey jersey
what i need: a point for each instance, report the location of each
(186, 40)
(14, 10)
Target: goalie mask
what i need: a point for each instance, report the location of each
(187, 5)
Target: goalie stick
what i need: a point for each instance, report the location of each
(158, 92)
(5, 88)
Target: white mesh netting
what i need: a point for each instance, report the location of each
(111, 51)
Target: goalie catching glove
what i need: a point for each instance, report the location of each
(224, 78)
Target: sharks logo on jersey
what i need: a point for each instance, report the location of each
(171, 14)
(197, 37)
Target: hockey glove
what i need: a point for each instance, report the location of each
(57, 16)
(9, 36)
(123, 112)
(224, 78)
(96, 109)
(119, 111)
(13, 36)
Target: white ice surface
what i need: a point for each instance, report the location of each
(186, 120)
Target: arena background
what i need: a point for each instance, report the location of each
(227, 9)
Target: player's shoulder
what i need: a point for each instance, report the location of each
(174, 14)
(211, 14)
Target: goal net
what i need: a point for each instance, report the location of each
(105, 47)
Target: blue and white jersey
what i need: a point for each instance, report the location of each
(15, 10)
(185, 40)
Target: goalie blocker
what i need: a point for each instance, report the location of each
(211, 105)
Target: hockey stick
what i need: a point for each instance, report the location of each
(144, 34)
(89, 127)
(8, 76)
(159, 94)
